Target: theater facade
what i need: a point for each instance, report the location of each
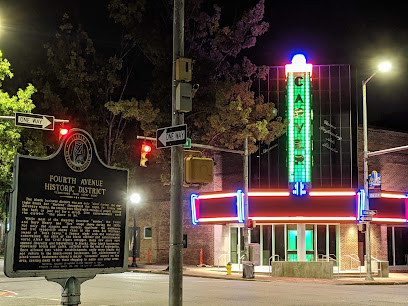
(305, 202)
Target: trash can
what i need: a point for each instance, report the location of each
(248, 269)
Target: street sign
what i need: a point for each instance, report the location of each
(171, 136)
(369, 212)
(366, 218)
(35, 121)
(374, 195)
(374, 180)
(188, 144)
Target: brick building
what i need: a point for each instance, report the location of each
(319, 226)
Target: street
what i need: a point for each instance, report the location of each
(152, 289)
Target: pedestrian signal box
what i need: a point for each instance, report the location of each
(198, 170)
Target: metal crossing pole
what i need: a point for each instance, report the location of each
(176, 197)
(367, 199)
(246, 187)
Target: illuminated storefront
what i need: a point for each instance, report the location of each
(316, 212)
(292, 228)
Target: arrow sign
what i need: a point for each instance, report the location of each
(171, 136)
(35, 121)
(366, 218)
(369, 212)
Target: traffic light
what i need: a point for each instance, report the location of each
(198, 170)
(63, 131)
(362, 227)
(146, 149)
(251, 224)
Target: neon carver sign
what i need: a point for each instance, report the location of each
(298, 76)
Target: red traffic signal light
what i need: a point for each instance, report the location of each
(146, 148)
(63, 131)
(251, 224)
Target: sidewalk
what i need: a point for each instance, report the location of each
(221, 273)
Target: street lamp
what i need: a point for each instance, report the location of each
(134, 199)
(383, 67)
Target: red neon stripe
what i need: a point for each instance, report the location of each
(332, 193)
(197, 207)
(384, 219)
(406, 208)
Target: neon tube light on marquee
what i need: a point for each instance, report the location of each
(361, 202)
(331, 193)
(393, 195)
(301, 218)
(239, 205)
(299, 116)
(389, 220)
(268, 193)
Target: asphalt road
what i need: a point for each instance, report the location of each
(152, 289)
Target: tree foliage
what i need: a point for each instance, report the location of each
(225, 109)
(83, 85)
(10, 135)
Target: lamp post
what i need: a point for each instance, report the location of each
(135, 199)
(382, 67)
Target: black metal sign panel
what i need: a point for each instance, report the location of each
(171, 136)
(68, 213)
(35, 121)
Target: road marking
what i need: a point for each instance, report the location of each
(6, 293)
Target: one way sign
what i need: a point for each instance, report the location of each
(171, 136)
(35, 121)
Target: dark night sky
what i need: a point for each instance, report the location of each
(359, 33)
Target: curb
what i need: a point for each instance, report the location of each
(375, 283)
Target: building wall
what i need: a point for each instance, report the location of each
(379, 241)
(157, 215)
(393, 167)
(348, 246)
(228, 175)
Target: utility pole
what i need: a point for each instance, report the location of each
(246, 187)
(176, 197)
(367, 198)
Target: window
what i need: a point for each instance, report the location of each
(148, 232)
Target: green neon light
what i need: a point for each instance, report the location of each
(299, 129)
(292, 243)
(309, 240)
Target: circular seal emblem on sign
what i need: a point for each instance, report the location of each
(78, 152)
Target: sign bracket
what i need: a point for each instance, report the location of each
(71, 288)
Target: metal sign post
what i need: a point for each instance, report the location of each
(177, 169)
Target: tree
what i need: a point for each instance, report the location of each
(10, 135)
(82, 85)
(225, 109)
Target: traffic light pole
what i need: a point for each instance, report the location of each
(246, 210)
(176, 196)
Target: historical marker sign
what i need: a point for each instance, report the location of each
(171, 136)
(35, 121)
(68, 213)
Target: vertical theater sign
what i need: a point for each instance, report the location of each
(298, 76)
